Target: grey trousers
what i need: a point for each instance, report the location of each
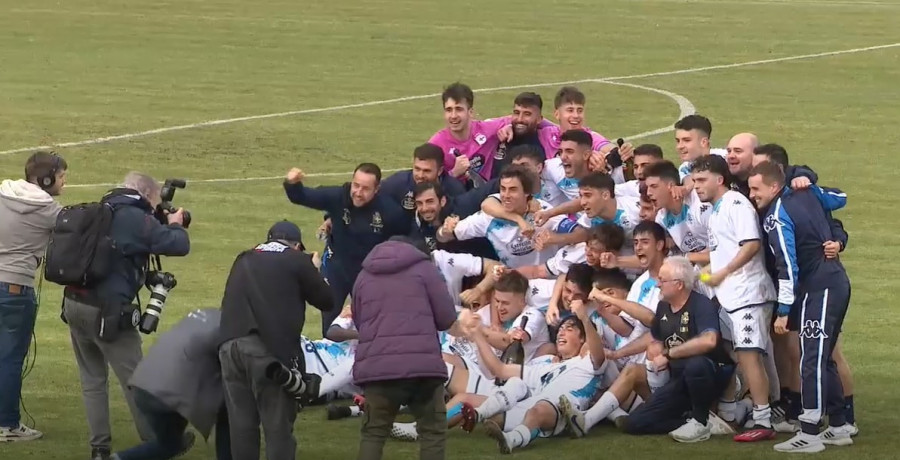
(94, 357)
(252, 399)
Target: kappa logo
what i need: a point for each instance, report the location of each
(771, 223)
(748, 317)
(812, 330)
(564, 253)
(535, 290)
(450, 261)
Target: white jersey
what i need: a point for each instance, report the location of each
(557, 184)
(627, 216)
(734, 221)
(630, 189)
(575, 378)
(685, 169)
(564, 258)
(643, 291)
(323, 356)
(688, 228)
(611, 340)
(536, 328)
(462, 346)
(534, 371)
(454, 267)
(514, 249)
(540, 291)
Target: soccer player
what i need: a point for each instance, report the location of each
(740, 160)
(644, 156)
(685, 220)
(513, 248)
(468, 144)
(798, 228)
(738, 275)
(692, 141)
(454, 267)
(564, 171)
(516, 414)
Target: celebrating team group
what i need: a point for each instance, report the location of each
(698, 299)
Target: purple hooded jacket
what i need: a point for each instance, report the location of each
(400, 302)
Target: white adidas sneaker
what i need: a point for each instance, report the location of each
(837, 435)
(801, 443)
(19, 433)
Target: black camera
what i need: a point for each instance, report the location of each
(167, 194)
(159, 283)
(302, 386)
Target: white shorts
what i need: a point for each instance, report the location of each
(656, 380)
(750, 328)
(478, 383)
(516, 416)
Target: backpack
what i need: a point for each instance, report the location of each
(80, 250)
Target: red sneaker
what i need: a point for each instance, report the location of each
(757, 433)
(469, 417)
(359, 400)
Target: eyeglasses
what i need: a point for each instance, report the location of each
(662, 281)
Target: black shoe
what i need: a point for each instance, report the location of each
(100, 453)
(337, 412)
(187, 441)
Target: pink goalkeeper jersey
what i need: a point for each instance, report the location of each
(550, 140)
(480, 147)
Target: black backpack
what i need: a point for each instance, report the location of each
(80, 250)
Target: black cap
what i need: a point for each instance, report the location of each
(287, 231)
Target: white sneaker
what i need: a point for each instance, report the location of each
(854, 430)
(787, 426)
(801, 442)
(717, 426)
(574, 418)
(404, 432)
(20, 433)
(837, 435)
(692, 431)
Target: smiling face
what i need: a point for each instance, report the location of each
(571, 292)
(570, 116)
(509, 305)
(761, 193)
(740, 154)
(525, 119)
(363, 188)
(429, 206)
(690, 144)
(425, 171)
(457, 114)
(513, 196)
(569, 339)
(574, 158)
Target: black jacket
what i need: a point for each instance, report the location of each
(266, 294)
(138, 235)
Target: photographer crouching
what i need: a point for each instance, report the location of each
(263, 312)
(101, 253)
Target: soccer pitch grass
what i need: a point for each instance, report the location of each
(80, 70)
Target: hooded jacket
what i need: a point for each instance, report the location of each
(27, 216)
(400, 302)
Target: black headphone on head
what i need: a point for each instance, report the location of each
(48, 181)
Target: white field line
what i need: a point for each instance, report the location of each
(101, 140)
(685, 107)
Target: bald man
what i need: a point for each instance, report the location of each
(740, 160)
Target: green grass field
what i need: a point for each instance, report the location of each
(79, 70)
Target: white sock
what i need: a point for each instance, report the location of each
(355, 411)
(727, 410)
(503, 399)
(762, 416)
(520, 436)
(616, 413)
(406, 426)
(605, 406)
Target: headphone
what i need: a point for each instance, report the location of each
(47, 182)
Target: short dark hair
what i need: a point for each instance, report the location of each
(429, 152)
(459, 92)
(598, 180)
(581, 275)
(578, 136)
(529, 99)
(577, 323)
(665, 170)
(610, 235)
(370, 168)
(606, 278)
(770, 171)
(519, 172)
(695, 121)
(43, 163)
(531, 151)
(650, 150)
(712, 163)
(419, 189)
(568, 95)
(774, 152)
(649, 227)
(512, 281)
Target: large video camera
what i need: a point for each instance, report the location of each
(167, 194)
(159, 283)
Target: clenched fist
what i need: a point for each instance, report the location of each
(294, 176)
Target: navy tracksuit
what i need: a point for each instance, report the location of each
(354, 232)
(812, 289)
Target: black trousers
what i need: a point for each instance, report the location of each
(692, 390)
(821, 317)
(341, 282)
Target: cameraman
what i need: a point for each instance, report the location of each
(180, 382)
(263, 311)
(137, 234)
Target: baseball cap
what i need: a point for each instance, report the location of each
(286, 230)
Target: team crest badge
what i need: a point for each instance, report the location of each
(480, 139)
(408, 202)
(377, 224)
(346, 216)
(770, 223)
